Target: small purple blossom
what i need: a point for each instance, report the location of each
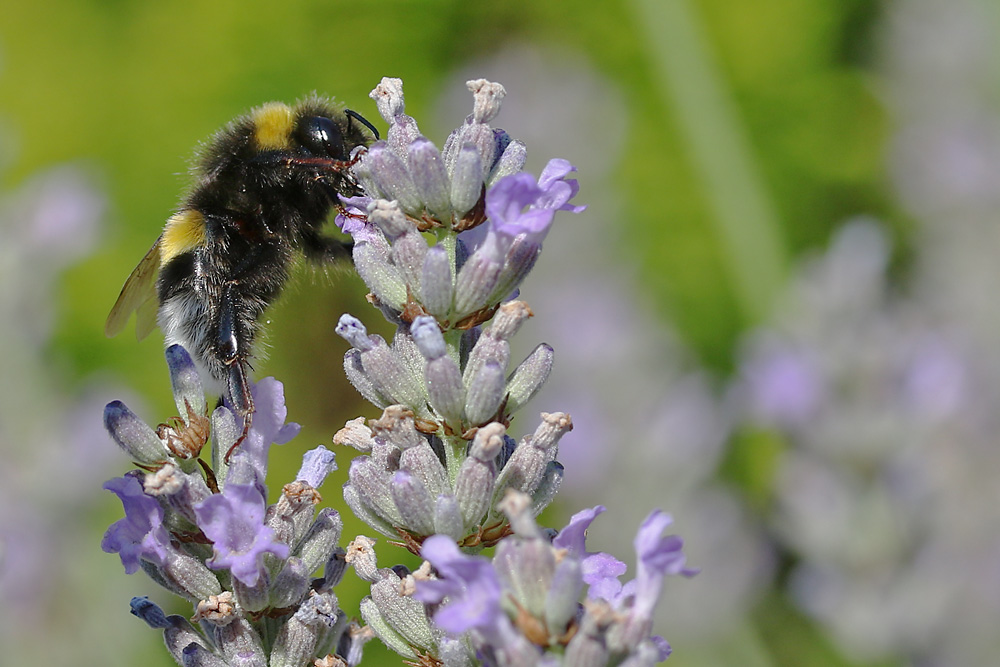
(470, 583)
(517, 204)
(600, 570)
(141, 533)
(234, 521)
(658, 556)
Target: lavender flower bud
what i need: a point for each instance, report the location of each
(519, 259)
(442, 377)
(372, 484)
(253, 597)
(291, 584)
(489, 348)
(389, 172)
(427, 335)
(454, 652)
(240, 644)
(356, 375)
(179, 634)
(189, 395)
(588, 647)
(408, 253)
(528, 464)
(403, 614)
(389, 377)
(133, 435)
(423, 463)
(384, 631)
(565, 589)
(431, 177)
(466, 179)
(526, 566)
(372, 259)
(414, 503)
(225, 432)
(529, 376)
(188, 577)
(510, 161)
(474, 483)
(486, 392)
(289, 518)
(365, 513)
(296, 641)
(448, 517)
(436, 284)
(320, 543)
(409, 356)
(388, 97)
(547, 488)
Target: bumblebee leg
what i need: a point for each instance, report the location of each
(322, 249)
(230, 344)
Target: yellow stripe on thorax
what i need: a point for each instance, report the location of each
(273, 123)
(185, 231)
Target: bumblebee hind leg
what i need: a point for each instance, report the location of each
(232, 341)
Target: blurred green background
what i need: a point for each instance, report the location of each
(125, 90)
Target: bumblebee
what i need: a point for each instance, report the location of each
(263, 188)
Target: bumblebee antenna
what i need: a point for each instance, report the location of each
(364, 121)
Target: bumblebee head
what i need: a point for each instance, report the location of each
(276, 143)
(314, 127)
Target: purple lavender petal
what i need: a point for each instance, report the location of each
(573, 537)
(470, 583)
(141, 533)
(517, 204)
(658, 556)
(268, 425)
(316, 465)
(234, 522)
(600, 572)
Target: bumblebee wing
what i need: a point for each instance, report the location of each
(138, 295)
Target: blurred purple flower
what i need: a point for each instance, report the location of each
(784, 385)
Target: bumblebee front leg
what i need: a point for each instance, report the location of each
(322, 249)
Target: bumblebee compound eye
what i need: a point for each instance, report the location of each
(321, 137)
